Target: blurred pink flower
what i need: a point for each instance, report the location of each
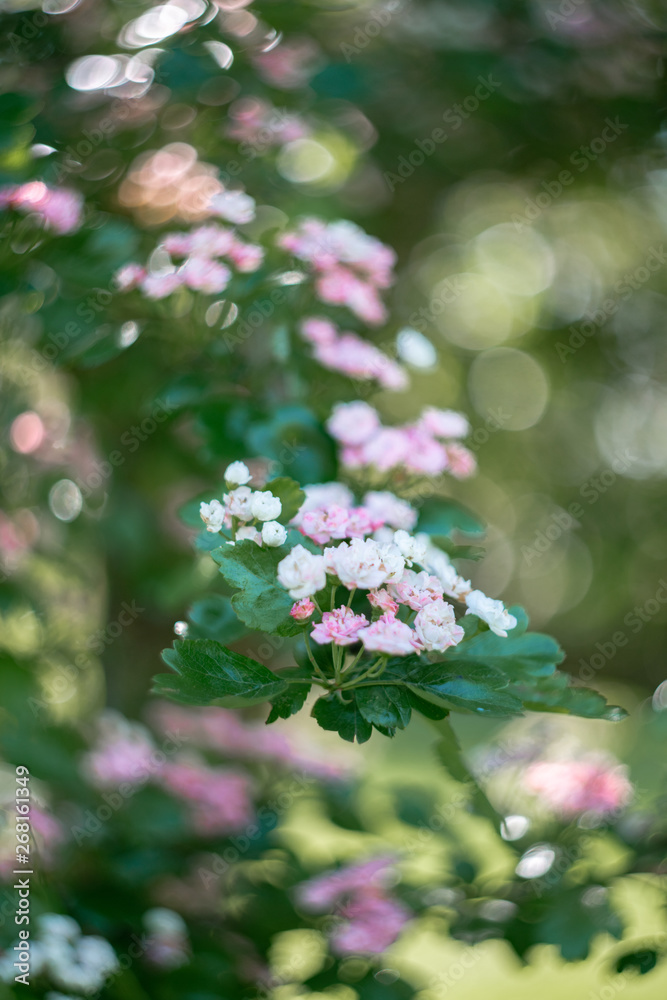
(370, 920)
(60, 209)
(571, 787)
(353, 423)
(219, 799)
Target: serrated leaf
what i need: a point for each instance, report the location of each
(427, 708)
(290, 495)
(206, 672)
(261, 603)
(289, 702)
(343, 718)
(387, 708)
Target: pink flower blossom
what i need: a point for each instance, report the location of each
(370, 920)
(364, 563)
(159, 286)
(129, 277)
(235, 206)
(59, 208)
(290, 64)
(353, 423)
(386, 449)
(323, 892)
(323, 495)
(219, 798)
(382, 599)
(445, 424)
(351, 355)
(371, 923)
(302, 610)
(389, 635)
(425, 454)
(416, 589)
(341, 627)
(123, 753)
(324, 524)
(390, 510)
(572, 787)
(246, 257)
(436, 626)
(204, 275)
(461, 461)
(317, 330)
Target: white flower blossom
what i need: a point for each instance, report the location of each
(492, 612)
(364, 563)
(237, 474)
(273, 534)
(302, 573)
(212, 514)
(248, 533)
(264, 506)
(412, 547)
(436, 626)
(237, 503)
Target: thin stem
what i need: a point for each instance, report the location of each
(333, 596)
(349, 600)
(314, 662)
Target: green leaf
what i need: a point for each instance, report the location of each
(343, 718)
(643, 960)
(475, 687)
(290, 494)
(386, 707)
(261, 603)
(214, 618)
(558, 694)
(205, 672)
(427, 708)
(519, 655)
(289, 702)
(442, 517)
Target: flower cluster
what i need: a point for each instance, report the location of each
(586, 785)
(224, 731)
(351, 355)
(60, 953)
(59, 209)
(202, 269)
(218, 798)
(125, 755)
(247, 507)
(382, 566)
(351, 267)
(370, 919)
(427, 447)
(260, 125)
